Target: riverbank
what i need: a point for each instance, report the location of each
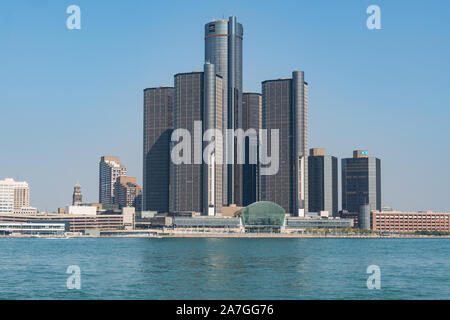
(237, 235)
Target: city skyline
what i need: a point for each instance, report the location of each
(56, 191)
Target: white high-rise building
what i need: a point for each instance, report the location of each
(14, 195)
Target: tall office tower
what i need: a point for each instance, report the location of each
(285, 108)
(251, 119)
(223, 48)
(197, 187)
(127, 193)
(77, 197)
(323, 182)
(158, 125)
(110, 169)
(361, 181)
(14, 195)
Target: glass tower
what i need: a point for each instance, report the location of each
(323, 182)
(285, 108)
(223, 48)
(197, 187)
(158, 124)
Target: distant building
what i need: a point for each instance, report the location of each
(158, 125)
(127, 193)
(361, 181)
(251, 119)
(323, 182)
(77, 197)
(285, 108)
(110, 169)
(410, 222)
(14, 195)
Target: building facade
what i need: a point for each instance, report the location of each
(361, 181)
(77, 222)
(285, 108)
(127, 193)
(110, 169)
(323, 182)
(158, 125)
(409, 222)
(14, 195)
(196, 184)
(45, 229)
(251, 120)
(223, 48)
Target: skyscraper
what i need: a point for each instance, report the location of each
(323, 182)
(251, 119)
(197, 186)
(361, 181)
(285, 108)
(110, 169)
(223, 48)
(14, 195)
(158, 125)
(77, 197)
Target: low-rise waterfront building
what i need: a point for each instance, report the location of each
(409, 222)
(77, 222)
(301, 223)
(47, 229)
(207, 224)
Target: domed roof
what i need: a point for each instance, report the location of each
(263, 213)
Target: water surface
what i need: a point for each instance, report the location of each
(127, 268)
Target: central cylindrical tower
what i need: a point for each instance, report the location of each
(223, 48)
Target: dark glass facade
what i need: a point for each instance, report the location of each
(361, 183)
(284, 107)
(223, 48)
(158, 125)
(186, 179)
(251, 119)
(323, 184)
(197, 187)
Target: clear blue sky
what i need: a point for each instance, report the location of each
(68, 97)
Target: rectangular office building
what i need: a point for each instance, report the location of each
(361, 181)
(158, 125)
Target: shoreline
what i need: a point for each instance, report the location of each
(237, 236)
